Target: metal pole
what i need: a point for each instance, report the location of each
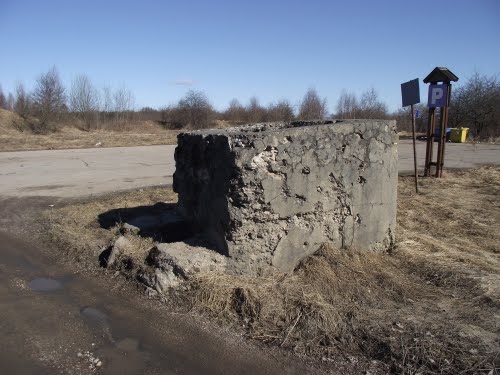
(414, 147)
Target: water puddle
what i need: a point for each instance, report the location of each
(45, 284)
(95, 315)
(128, 344)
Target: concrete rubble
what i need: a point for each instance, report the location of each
(120, 247)
(173, 263)
(267, 195)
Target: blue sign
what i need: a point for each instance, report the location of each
(410, 92)
(437, 96)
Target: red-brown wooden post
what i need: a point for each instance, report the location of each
(439, 96)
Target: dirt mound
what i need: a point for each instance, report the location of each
(10, 121)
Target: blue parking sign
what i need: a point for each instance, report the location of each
(437, 96)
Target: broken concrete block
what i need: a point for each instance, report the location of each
(166, 279)
(268, 195)
(184, 260)
(130, 229)
(121, 246)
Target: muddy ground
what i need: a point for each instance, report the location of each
(430, 305)
(59, 317)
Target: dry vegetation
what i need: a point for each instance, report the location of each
(15, 135)
(76, 227)
(431, 305)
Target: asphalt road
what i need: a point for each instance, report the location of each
(83, 172)
(457, 155)
(76, 173)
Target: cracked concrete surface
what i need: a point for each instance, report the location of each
(271, 194)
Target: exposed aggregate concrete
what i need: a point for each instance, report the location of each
(268, 195)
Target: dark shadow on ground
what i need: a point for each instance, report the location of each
(160, 221)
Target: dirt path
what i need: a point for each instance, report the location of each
(56, 320)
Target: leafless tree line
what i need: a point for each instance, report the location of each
(194, 110)
(474, 104)
(312, 107)
(368, 106)
(49, 103)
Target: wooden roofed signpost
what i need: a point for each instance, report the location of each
(439, 97)
(410, 93)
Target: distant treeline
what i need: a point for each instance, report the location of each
(475, 104)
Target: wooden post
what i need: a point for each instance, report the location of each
(444, 75)
(431, 126)
(427, 147)
(414, 147)
(445, 125)
(442, 141)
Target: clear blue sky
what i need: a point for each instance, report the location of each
(239, 49)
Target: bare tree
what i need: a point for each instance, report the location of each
(49, 99)
(312, 106)
(172, 117)
(235, 113)
(347, 105)
(476, 105)
(195, 109)
(255, 112)
(84, 100)
(370, 106)
(123, 101)
(22, 105)
(10, 102)
(107, 100)
(3, 99)
(403, 118)
(281, 111)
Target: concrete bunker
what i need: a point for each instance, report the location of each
(267, 195)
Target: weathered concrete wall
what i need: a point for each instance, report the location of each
(270, 194)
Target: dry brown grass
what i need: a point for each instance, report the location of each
(75, 227)
(14, 135)
(432, 306)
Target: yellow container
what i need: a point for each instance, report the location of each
(458, 135)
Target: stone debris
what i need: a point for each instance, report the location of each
(268, 195)
(185, 260)
(130, 229)
(121, 246)
(93, 362)
(173, 263)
